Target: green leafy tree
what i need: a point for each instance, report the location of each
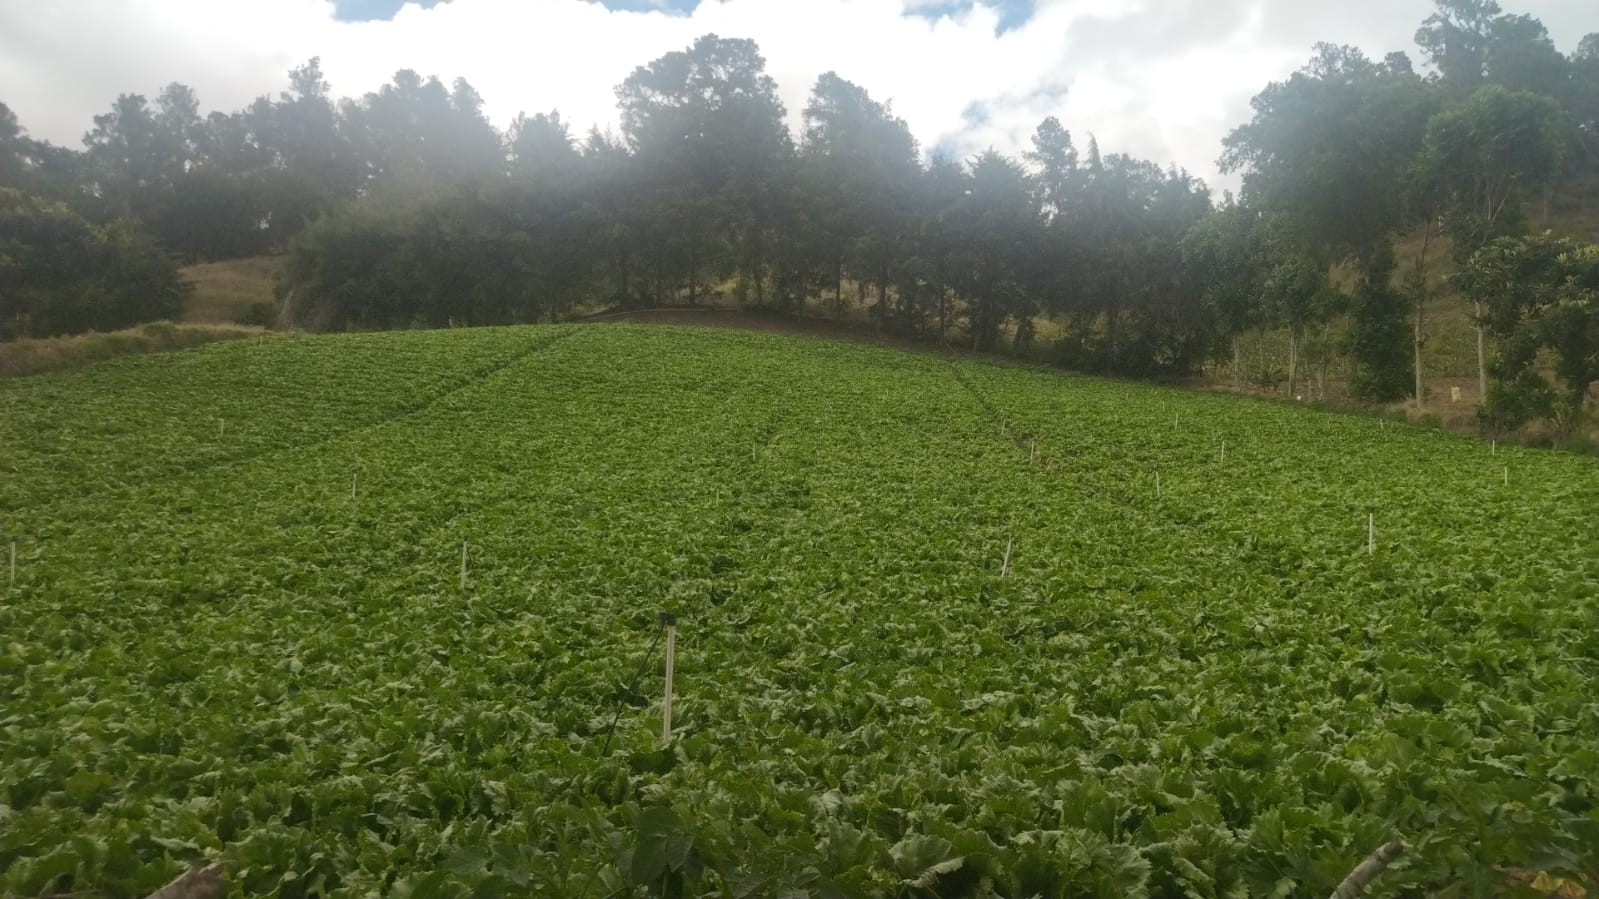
(541, 148)
(998, 227)
(864, 160)
(60, 273)
(413, 133)
(707, 129)
(1538, 294)
(1329, 153)
(1456, 40)
(1486, 157)
(1226, 254)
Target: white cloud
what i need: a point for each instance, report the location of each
(1162, 79)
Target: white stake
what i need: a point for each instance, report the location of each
(1371, 534)
(353, 477)
(1033, 456)
(1224, 452)
(1493, 448)
(463, 564)
(1157, 485)
(13, 563)
(1507, 475)
(222, 426)
(670, 621)
(1004, 567)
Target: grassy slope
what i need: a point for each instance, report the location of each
(29, 356)
(238, 291)
(237, 625)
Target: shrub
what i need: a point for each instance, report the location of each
(61, 274)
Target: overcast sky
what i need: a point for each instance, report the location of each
(1161, 79)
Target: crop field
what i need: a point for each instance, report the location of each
(945, 628)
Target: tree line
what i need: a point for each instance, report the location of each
(407, 207)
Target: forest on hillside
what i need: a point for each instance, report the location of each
(406, 207)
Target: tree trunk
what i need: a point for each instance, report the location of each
(882, 302)
(1420, 388)
(1260, 354)
(838, 287)
(693, 271)
(1482, 359)
(660, 287)
(1421, 305)
(1321, 373)
(1293, 362)
(943, 314)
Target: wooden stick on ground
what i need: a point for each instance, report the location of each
(1367, 871)
(199, 882)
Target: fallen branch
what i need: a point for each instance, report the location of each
(1367, 871)
(199, 882)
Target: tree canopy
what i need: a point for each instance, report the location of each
(407, 206)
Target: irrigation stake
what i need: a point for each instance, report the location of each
(463, 564)
(670, 621)
(1371, 533)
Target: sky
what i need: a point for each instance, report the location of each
(1160, 79)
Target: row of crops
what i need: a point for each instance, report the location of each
(945, 629)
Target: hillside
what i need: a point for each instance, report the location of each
(237, 291)
(943, 627)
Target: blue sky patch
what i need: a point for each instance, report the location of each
(1012, 13)
(367, 10)
(673, 6)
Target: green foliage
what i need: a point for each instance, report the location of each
(60, 274)
(217, 648)
(431, 216)
(1378, 339)
(1539, 294)
(457, 258)
(1486, 156)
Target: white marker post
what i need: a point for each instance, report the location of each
(353, 478)
(1371, 533)
(13, 563)
(669, 621)
(1033, 455)
(1224, 452)
(1157, 485)
(1493, 447)
(463, 564)
(1507, 475)
(1004, 567)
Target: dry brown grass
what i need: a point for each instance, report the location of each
(238, 291)
(31, 356)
